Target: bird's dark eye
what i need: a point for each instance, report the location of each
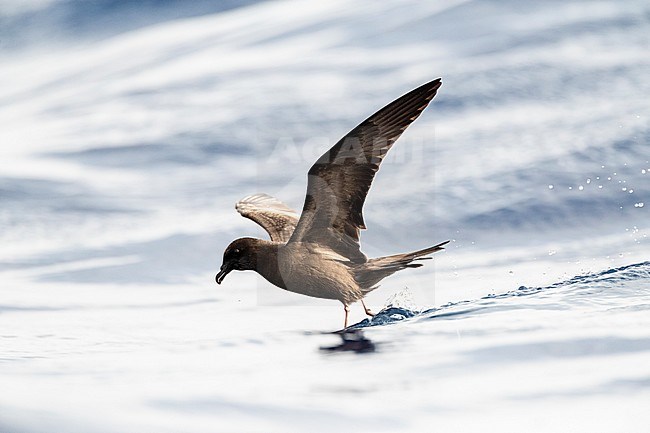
(237, 250)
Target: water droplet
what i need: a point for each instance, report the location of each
(640, 204)
(581, 187)
(631, 191)
(550, 187)
(624, 189)
(552, 253)
(600, 187)
(588, 181)
(643, 171)
(609, 178)
(570, 187)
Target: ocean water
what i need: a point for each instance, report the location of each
(128, 133)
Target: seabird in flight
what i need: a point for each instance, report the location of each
(318, 253)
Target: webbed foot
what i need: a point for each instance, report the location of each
(367, 310)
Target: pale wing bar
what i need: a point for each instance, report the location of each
(278, 219)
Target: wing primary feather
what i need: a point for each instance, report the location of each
(339, 181)
(278, 219)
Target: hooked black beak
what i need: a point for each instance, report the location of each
(225, 269)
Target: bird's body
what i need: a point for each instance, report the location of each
(317, 254)
(318, 272)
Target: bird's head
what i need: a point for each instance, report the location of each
(240, 255)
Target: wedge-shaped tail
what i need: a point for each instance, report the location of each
(373, 271)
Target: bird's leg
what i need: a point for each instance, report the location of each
(347, 310)
(368, 312)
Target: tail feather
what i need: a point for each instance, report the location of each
(375, 270)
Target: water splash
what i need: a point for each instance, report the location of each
(590, 285)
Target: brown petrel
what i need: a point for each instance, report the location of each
(318, 253)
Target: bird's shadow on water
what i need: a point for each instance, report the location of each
(352, 340)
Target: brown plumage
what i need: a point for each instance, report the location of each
(278, 219)
(318, 254)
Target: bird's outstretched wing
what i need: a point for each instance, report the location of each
(340, 179)
(278, 219)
